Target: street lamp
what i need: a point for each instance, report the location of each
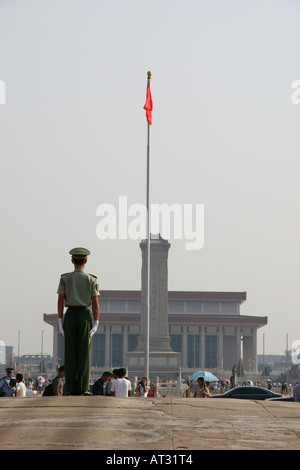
(263, 355)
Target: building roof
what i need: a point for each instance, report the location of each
(192, 319)
(176, 295)
(183, 319)
(177, 318)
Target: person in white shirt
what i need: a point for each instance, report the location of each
(121, 387)
(20, 387)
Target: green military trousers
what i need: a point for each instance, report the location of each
(77, 325)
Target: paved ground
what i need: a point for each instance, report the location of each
(178, 424)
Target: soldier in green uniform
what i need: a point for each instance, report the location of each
(78, 290)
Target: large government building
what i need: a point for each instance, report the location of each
(188, 330)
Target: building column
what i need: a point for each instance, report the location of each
(125, 344)
(202, 348)
(254, 350)
(238, 344)
(220, 348)
(184, 346)
(55, 340)
(107, 345)
(249, 352)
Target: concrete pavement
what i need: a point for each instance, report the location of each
(174, 424)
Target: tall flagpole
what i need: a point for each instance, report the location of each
(147, 323)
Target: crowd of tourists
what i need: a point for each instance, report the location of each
(117, 384)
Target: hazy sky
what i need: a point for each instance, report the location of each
(225, 134)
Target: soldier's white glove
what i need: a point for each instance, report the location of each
(94, 328)
(61, 326)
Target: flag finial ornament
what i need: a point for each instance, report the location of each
(149, 74)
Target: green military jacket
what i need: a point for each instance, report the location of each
(78, 288)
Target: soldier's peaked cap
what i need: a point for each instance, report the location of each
(79, 252)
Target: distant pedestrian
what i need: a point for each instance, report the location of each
(12, 388)
(41, 382)
(4, 382)
(269, 385)
(59, 382)
(20, 386)
(296, 393)
(121, 387)
(201, 389)
(78, 290)
(102, 386)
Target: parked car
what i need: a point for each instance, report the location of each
(282, 398)
(248, 393)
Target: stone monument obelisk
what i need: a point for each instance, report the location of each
(162, 358)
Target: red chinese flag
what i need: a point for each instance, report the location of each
(149, 105)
